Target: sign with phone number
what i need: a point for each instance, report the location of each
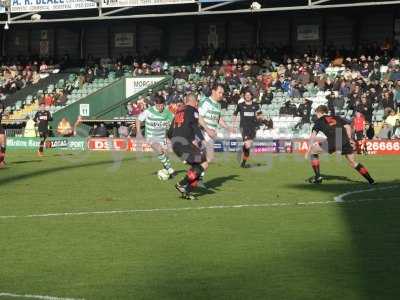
(379, 147)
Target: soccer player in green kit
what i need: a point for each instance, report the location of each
(157, 119)
(210, 120)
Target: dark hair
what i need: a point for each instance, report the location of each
(159, 99)
(323, 109)
(215, 86)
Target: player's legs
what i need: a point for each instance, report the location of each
(246, 152)
(209, 145)
(197, 160)
(160, 149)
(2, 147)
(359, 168)
(315, 151)
(43, 136)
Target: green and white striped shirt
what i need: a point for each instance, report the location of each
(156, 123)
(210, 111)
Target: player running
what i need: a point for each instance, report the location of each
(42, 119)
(2, 139)
(187, 137)
(250, 115)
(339, 138)
(210, 120)
(157, 119)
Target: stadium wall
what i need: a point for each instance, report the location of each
(175, 37)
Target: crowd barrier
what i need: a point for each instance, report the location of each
(379, 147)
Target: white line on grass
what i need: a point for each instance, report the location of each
(338, 199)
(373, 189)
(11, 295)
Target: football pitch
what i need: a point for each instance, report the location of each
(85, 225)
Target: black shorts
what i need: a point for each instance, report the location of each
(345, 149)
(190, 153)
(44, 134)
(2, 130)
(359, 135)
(248, 133)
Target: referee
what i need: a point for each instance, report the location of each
(250, 113)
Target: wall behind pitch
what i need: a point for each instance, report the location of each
(375, 28)
(68, 42)
(42, 41)
(17, 41)
(96, 40)
(275, 31)
(300, 46)
(241, 34)
(148, 38)
(181, 39)
(116, 48)
(204, 32)
(340, 31)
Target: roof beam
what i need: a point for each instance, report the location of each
(203, 13)
(219, 5)
(319, 2)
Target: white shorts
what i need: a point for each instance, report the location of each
(209, 144)
(162, 143)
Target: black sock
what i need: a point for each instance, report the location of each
(2, 153)
(246, 154)
(315, 164)
(192, 176)
(41, 146)
(364, 172)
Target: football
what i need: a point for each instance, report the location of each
(163, 174)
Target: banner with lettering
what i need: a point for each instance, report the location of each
(50, 5)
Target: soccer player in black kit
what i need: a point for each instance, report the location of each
(339, 138)
(249, 121)
(42, 118)
(187, 138)
(2, 138)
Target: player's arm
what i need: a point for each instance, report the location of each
(36, 117)
(141, 118)
(49, 116)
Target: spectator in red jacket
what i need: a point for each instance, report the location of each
(358, 126)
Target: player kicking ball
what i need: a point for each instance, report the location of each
(2, 140)
(42, 119)
(339, 138)
(187, 137)
(250, 115)
(157, 119)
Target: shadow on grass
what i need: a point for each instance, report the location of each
(28, 175)
(375, 232)
(215, 184)
(22, 162)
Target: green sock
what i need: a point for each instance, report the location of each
(165, 161)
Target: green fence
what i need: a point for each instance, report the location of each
(108, 102)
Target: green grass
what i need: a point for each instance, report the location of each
(320, 251)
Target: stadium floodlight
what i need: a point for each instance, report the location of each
(36, 17)
(6, 26)
(255, 6)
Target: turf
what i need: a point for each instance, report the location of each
(318, 251)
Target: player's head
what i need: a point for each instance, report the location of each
(159, 103)
(42, 106)
(191, 99)
(248, 96)
(217, 92)
(321, 110)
